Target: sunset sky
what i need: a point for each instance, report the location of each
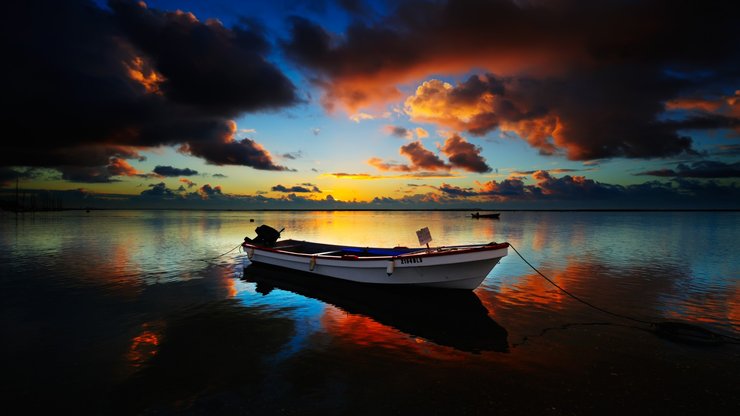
(474, 104)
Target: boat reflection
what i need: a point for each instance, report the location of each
(454, 318)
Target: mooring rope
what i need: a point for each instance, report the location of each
(221, 255)
(666, 328)
(618, 315)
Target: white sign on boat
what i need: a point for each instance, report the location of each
(425, 237)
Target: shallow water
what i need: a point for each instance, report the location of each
(132, 312)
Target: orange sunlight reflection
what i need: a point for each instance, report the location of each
(145, 345)
(698, 313)
(364, 331)
(733, 307)
(533, 289)
(230, 285)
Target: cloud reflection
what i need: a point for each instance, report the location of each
(393, 317)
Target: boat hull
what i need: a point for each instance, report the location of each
(463, 270)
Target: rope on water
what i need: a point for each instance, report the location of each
(221, 255)
(576, 297)
(677, 331)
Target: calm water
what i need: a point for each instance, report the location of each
(116, 312)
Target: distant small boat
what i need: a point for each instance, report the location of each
(455, 267)
(479, 215)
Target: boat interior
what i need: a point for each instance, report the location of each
(307, 247)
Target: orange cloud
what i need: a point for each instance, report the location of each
(352, 94)
(357, 117)
(540, 133)
(145, 75)
(702, 104)
(119, 167)
(365, 69)
(727, 105)
(378, 164)
(568, 80)
(434, 101)
(420, 158)
(207, 191)
(410, 175)
(188, 182)
(344, 175)
(460, 153)
(510, 186)
(478, 106)
(484, 103)
(535, 111)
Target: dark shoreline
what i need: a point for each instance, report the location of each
(388, 210)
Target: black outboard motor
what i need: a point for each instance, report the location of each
(266, 236)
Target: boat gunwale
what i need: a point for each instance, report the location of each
(422, 252)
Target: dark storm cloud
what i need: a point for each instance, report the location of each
(574, 187)
(204, 64)
(581, 190)
(234, 152)
(87, 174)
(159, 190)
(465, 155)
(401, 132)
(529, 172)
(357, 7)
(88, 84)
(8, 176)
(172, 171)
(457, 191)
(701, 169)
(207, 191)
(591, 116)
(292, 155)
(421, 158)
(587, 79)
(116, 168)
(308, 188)
(727, 150)
(706, 122)
(512, 188)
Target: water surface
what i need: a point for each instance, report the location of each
(133, 312)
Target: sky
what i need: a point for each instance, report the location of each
(351, 104)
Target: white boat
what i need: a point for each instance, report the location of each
(456, 267)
